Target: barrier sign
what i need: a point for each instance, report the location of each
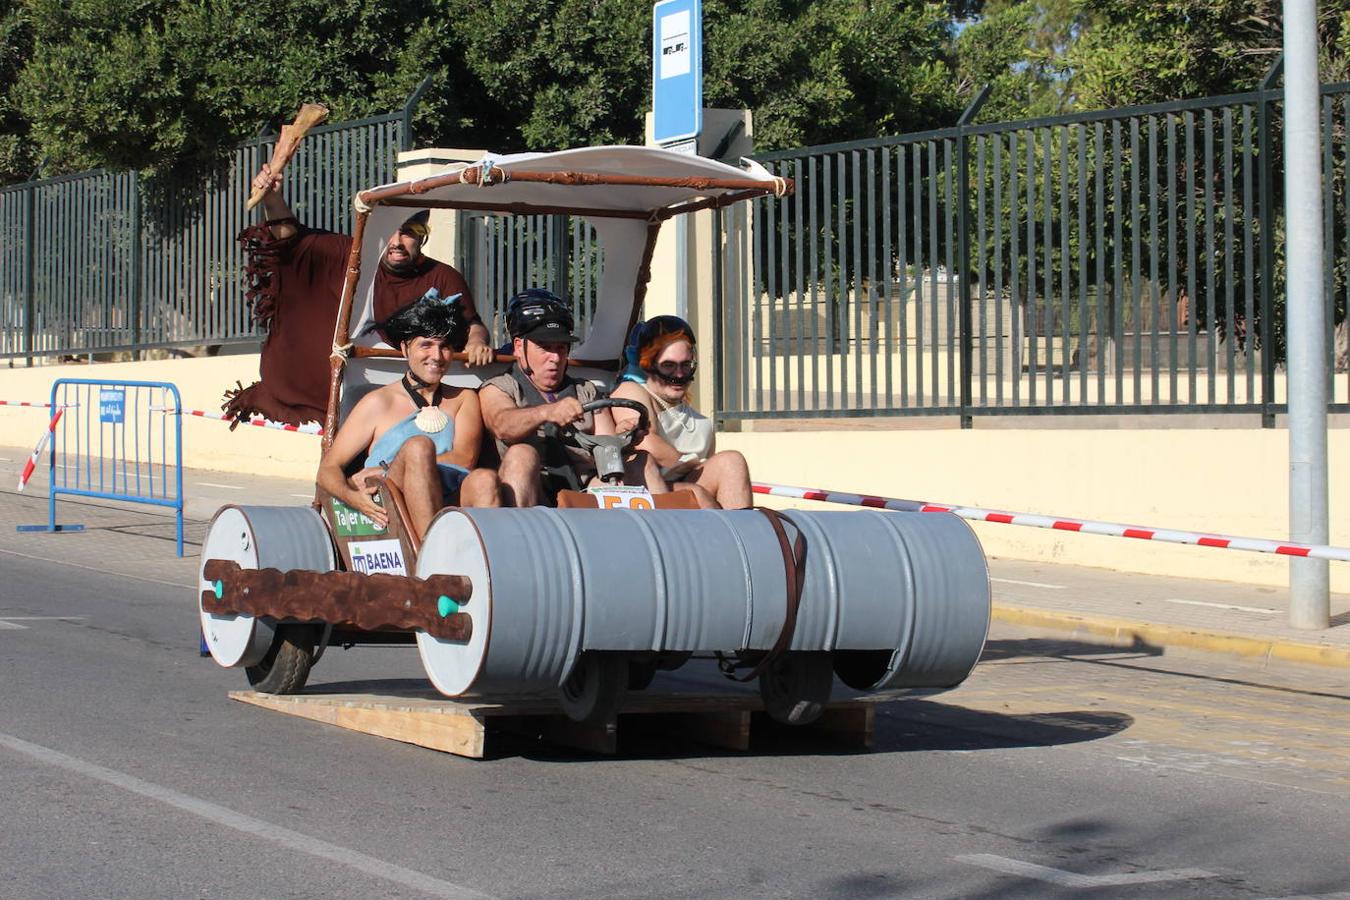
(677, 70)
(112, 405)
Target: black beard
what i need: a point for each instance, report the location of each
(403, 269)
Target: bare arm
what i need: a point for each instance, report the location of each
(352, 438)
(468, 433)
(273, 203)
(659, 448)
(512, 425)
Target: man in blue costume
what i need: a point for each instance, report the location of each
(423, 434)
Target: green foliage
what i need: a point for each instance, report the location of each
(17, 153)
(167, 86)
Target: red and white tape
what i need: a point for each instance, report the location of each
(1085, 526)
(39, 405)
(258, 421)
(29, 466)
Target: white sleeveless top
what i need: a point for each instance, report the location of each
(687, 430)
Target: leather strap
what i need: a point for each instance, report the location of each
(794, 567)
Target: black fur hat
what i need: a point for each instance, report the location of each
(428, 316)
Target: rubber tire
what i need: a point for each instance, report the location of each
(594, 690)
(641, 672)
(796, 686)
(285, 668)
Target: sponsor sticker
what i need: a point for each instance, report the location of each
(351, 523)
(623, 497)
(378, 558)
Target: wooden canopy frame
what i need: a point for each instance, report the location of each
(486, 175)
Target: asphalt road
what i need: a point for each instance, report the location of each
(1056, 770)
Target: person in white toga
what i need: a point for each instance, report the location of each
(660, 365)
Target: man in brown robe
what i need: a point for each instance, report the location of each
(295, 284)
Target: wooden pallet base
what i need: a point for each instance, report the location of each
(418, 715)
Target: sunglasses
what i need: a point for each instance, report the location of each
(676, 373)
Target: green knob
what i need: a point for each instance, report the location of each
(219, 588)
(446, 605)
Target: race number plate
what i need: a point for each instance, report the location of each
(622, 497)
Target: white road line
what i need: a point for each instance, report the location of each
(266, 831)
(1039, 584)
(5, 459)
(40, 618)
(228, 487)
(66, 562)
(10, 626)
(304, 496)
(1254, 609)
(1073, 879)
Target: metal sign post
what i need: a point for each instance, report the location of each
(677, 104)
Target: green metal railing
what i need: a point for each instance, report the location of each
(94, 263)
(1121, 261)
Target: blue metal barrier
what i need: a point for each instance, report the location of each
(115, 442)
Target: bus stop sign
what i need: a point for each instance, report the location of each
(677, 70)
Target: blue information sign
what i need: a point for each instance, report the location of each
(677, 70)
(112, 405)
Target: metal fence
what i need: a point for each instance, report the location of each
(99, 262)
(503, 255)
(1122, 261)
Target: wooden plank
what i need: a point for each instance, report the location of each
(454, 731)
(414, 713)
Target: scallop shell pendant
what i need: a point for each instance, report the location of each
(431, 419)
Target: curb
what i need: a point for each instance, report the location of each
(1125, 632)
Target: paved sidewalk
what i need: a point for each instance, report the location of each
(1091, 605)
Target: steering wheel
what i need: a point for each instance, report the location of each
(605, 449)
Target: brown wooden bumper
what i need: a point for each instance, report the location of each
(344, 599)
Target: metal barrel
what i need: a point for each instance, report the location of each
(550, 584)
(258, 537)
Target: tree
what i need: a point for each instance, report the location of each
(167, 86)
(17, 153)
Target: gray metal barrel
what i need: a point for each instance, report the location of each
(904, 597)
(258, 537)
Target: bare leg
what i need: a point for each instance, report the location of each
(641, 469)
(414, 471)
(519, 474)
(705, 499)
(481, 488)
(727, 477)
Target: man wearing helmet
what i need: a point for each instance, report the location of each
(423, 434)
(295, 281)
(537, 392)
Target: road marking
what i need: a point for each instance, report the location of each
(1039, 584)
(65, 562)
(273, 834)
(39, 618)
(1073, 879)
(304, 496)
(228, 487)
(7, 622)
(1253, 609)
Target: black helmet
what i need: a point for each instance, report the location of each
(541, 316)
